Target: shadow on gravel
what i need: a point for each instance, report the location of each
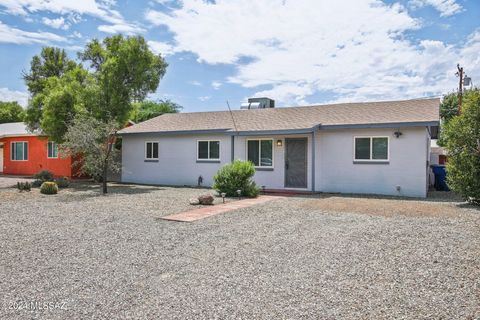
(84, 190)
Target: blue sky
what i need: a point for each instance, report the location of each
(295, 51)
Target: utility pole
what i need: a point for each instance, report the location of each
(460, 87)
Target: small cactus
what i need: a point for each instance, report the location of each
(49, 187)
(24, 186)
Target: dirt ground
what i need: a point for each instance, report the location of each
(438, 204)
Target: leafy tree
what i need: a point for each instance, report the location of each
(449, 106)
(52, 62)
(94, 140)
(150, 109)
(462, 141)
(448, 110)
(125, 71)
(62, 99)
(121, 71)
(11, 112)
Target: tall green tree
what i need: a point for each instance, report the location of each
(449, 106)
(11, 112)
(50, 63)
(62, 99)
(150, 109)
(125, 71)
(462, 142)
(118, 72)
(448, 110)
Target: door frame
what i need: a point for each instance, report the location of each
(285, 162)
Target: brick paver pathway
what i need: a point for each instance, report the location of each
(205, 212)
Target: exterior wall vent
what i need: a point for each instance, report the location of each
(258, 103)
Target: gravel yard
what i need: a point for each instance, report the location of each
(322, 256)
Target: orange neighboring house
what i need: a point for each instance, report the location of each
(26, 153)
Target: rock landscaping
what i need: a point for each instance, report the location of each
(112, 256)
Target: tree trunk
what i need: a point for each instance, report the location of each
(104, 178)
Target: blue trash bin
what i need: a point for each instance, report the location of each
(440, 177)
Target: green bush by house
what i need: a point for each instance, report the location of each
(49, 187)
(234, 176)
(461, 136)
(44, 175)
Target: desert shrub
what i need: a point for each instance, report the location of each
(462, 142)
(62, 182)
(24, 186)
(36, 183)
(236, 176)
(44, 175)
(49, 187)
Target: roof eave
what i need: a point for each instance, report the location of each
(12, 135)
(172, 133)
(381, 125)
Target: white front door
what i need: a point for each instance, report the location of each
(1, 158)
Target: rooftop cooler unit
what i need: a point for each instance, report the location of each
(258, 103)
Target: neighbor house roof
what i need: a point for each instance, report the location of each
(369, 114)
(14, 129)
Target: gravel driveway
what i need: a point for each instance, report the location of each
(9, 181)
(110, 257)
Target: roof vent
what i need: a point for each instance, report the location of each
(258, 103)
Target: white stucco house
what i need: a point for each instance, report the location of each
(375, 147)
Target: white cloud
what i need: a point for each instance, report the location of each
(13, 35)
(58, 23)
(162, 48)
(195, 83)
(122, 27)
(204, 98)
(102, 9)
(9, 95)
(445, 7)
(76, 34)
(216, 85)
(352, 49)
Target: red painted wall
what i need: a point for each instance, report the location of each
(37, 158)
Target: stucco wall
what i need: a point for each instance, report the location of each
(407, 167)
(274, 179)
(177, 163)
(37, 158)
(335, 169)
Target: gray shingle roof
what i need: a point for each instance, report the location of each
(13, 129)
(295, 118)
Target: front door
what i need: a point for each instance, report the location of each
(296, 163)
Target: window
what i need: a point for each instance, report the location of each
(19, 151)
(52, 149)
(371, 148)
(260, 152)
(208, 150)
(151, 150)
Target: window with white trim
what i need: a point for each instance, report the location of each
(208, 150)
(371, 148)
(260, 152)
(151, 150)
(52, 150)
(19, 151)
